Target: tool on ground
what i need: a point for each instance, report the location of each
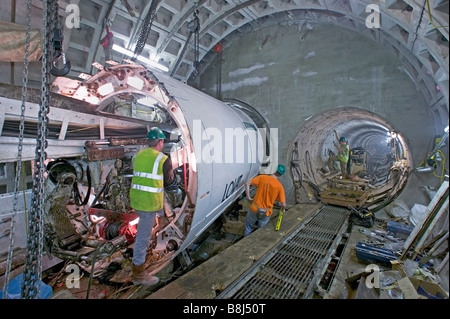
(280, 217)
(373, 254)
(362, 217)
(426, 258)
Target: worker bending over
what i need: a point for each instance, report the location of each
(342, 156)
(269, 189)
(152, 171)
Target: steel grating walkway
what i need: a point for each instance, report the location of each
(294, 267)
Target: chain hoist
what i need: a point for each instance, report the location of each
(35, 239)
(18, 175)
(58, 49)
(194, 28)
(145, 30)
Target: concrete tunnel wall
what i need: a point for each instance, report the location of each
(290, 80)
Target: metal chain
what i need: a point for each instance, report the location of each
(35, 240)
(19, 150)
(145, 31)
(193, 27)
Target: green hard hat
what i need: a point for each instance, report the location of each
(343, 139)
(155, 133)
(281, 169)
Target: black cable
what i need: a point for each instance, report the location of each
(92, 272)
(76, 192)
(99, 193)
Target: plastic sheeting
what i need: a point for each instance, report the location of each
(14, 289)
(12, 43)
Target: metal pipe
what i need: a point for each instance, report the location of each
(427, 169)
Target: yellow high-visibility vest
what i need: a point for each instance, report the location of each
(147, 184)
(343, 153)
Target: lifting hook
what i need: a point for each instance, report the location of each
(58, 47)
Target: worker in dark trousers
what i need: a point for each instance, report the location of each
(152, 171)
(342, 156)
(269, 189)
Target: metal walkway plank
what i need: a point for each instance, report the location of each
(292, 269)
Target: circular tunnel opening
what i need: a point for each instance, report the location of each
(379, 158)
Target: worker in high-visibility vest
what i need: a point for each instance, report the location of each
(269, 189)
(342, 156)
(152, 171)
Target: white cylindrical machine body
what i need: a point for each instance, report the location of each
(217, 129)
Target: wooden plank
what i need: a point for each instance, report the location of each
(444, 208)
(429, 210)
(343, 197)
(442, 264)
(227, 266)
(63, 130)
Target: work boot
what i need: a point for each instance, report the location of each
(141, 277)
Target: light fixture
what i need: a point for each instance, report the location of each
(105, 89)
(153, 63)
(140, 58)
(392, 134)
(137, 83)
(122, 50)
(446, 129)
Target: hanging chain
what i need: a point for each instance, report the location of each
(32, 274)
(145, 30)
(194, 28)
(19, 151)
(196, 45)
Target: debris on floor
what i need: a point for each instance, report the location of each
(404, 254)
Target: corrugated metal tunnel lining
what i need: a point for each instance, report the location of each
(292, 268)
